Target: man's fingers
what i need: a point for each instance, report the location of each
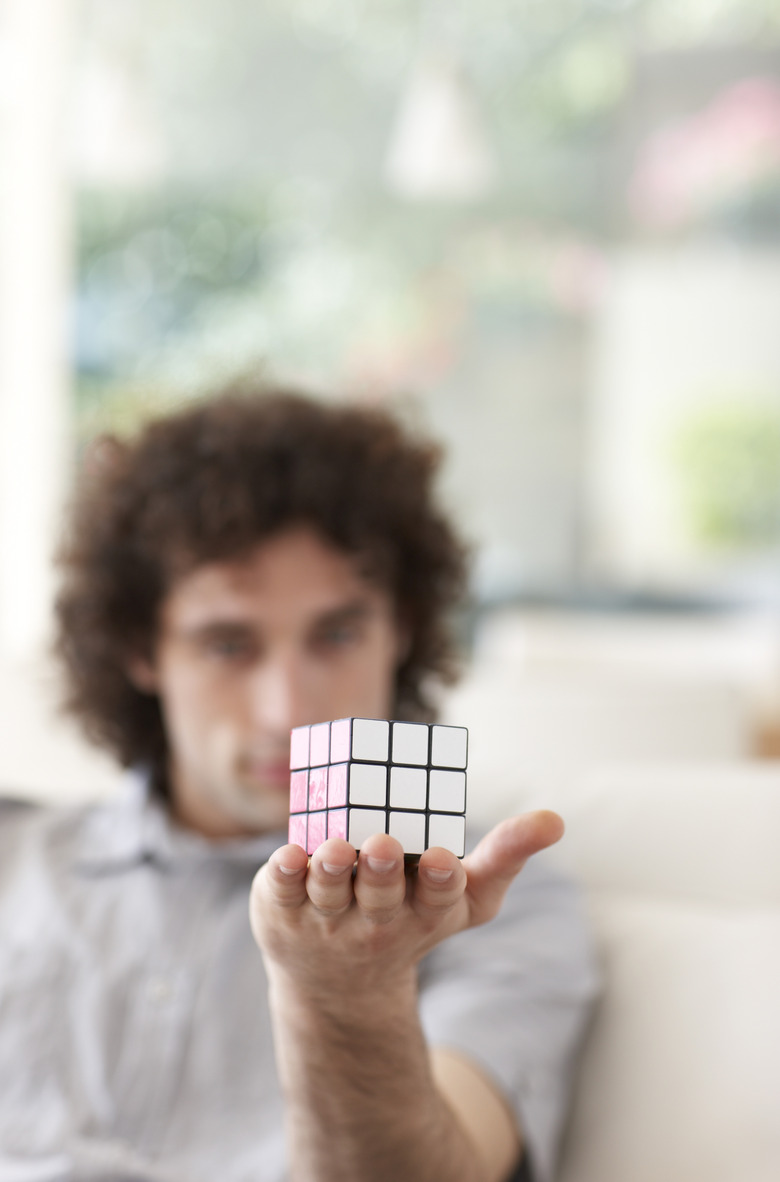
(329, 882)
(379, 887)
(440, 882)
(380, 882)
(501, 855)
(282, 881)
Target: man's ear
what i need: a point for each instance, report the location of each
(142, 674)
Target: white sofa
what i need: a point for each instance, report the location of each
(680, 1076)
(640, 732)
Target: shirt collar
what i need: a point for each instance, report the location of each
(136, 827)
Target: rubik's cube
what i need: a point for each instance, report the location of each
(358, 776)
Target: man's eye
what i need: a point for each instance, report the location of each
(338, 636)
(228, 646)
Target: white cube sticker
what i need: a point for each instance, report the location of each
(368, 784)
(410, 743)
(447, 792)
(363, 823)
(409, 829)
(449, 832)
(370, 739)
(449, 746)
(408, 787)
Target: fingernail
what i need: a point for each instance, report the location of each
(438, 875)
(332, 868)
(288, 869)
(380, 865)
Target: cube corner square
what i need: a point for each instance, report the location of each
(411, 741)
(447, 830)
(363, 823)
(449, 746)
(299, 747)
(340, 740)
(337, 823)
(370, 739)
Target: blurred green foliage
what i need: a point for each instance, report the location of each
(188, 239)
(271, 234)
(153, 267)
(729, 465)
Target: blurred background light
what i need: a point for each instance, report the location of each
(439, 149)
(116, 140)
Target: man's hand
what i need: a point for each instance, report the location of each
(335, 934)
(364, 1097)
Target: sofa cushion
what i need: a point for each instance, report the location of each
(679, 1077)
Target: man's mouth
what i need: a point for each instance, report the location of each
(274, 774)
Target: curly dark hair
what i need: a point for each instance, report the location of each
(209, 482)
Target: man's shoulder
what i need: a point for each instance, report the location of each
(26, 811)
(30, 827)
(19, 814)
(12, 806)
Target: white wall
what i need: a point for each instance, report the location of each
(34, 306)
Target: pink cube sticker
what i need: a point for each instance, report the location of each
(339, 740)
(318, 788)
(316, 834)
(337, 823)
(337, 785)
(299, 791)
(297, 830)
(299, 747)
(319, 749)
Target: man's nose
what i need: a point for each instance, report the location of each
(281, 693)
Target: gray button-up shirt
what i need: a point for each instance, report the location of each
(135, 1041)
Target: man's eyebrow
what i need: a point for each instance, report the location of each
(346, 613)
(221, 625)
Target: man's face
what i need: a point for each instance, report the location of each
(292, 634)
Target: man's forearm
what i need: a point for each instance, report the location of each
(341, 936)
(361, 1101)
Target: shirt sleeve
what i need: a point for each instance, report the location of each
(514, 996)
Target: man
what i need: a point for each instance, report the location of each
(246, 566)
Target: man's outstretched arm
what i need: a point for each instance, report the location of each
(366, 1100)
